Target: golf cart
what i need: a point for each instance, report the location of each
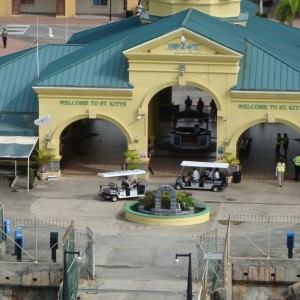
(125, 190)
(206, 180)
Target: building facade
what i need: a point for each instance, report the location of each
(123, 71)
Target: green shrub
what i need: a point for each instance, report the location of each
(185, 199)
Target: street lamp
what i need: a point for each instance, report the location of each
(66, 282)
(189, 290)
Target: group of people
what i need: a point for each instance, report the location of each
(210, 174)
(281, 141)
(200, 106)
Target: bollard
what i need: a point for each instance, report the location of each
(290, 243)
(6, 228)
(53, 245)
(50, 32)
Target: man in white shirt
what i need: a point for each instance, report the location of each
(217, 174)
(196, 175)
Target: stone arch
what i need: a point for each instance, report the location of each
(247, 125)
(166, 84)
(173, 202)
(59, 129)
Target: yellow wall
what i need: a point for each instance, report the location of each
(70, 7)
(208, 66)
(221, 8)
(5, 8)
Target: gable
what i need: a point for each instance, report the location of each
(181, 42)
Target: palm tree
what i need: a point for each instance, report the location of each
(286, 11)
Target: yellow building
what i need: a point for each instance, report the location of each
(124, 72)
(67, 8)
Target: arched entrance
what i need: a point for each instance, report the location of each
(169, 119)
(256, 149)
(91, 146)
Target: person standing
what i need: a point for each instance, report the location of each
(188, 103)
(278, 145)
(285, 144)
(200, 105)
(4, 35)
(280, 171)
(296, 161)
(213, 109)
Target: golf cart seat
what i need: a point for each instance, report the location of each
(113, 186)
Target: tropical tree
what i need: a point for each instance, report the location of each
(286, 11)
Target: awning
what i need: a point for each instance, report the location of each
(17, 147)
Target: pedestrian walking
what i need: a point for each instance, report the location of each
(4, 35)
(285, 144)
(296, 161)
(280, 171)
(278, 145)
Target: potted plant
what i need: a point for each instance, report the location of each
(132, 162)
(32, 176)
(42, 158)
(234, 166)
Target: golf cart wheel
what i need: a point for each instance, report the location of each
(114, 198)
(178, 186)
(216, 188)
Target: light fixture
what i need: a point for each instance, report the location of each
(189, 291)
(226, 142)
(224, 119)
(136, 139)
(181, 68)
(138, 117)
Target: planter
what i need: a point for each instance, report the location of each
(42, 175)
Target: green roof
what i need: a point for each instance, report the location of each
(101, 63)
(94, 58)
(18, 73)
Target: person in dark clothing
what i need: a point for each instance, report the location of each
(213, 109)
(278, 145)
(200, 105)
(285, 144)
(188, 103)
(4, 35)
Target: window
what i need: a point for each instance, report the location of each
(27, 1)
(100, 2)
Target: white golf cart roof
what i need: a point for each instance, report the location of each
(122, 173)
(199, 164)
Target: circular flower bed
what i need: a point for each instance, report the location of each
(184, 210)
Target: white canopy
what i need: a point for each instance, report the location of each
(199, 164)
(122, 173)
(17, 147)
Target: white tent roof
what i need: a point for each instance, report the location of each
(17, 146)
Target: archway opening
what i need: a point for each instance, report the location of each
(178, 129)
(91, 146)
(258, 144)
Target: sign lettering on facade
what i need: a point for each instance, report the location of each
(270, 106)
(92, 103)
(183, 46)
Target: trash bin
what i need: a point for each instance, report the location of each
(237, 176)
